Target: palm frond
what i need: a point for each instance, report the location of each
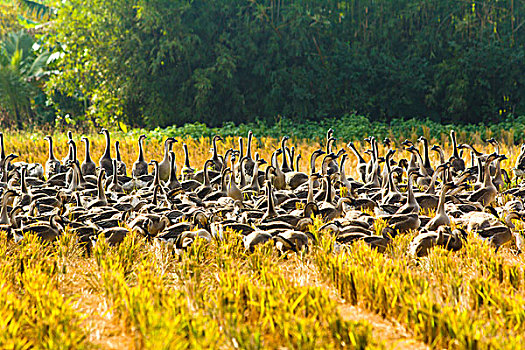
(37, 10)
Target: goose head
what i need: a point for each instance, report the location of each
(407, 143)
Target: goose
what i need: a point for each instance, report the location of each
(444, 237)
(411, 205)
(498, 177)
(426, 161)
(519, 165)
(88, 166)
(72, 157)
(342, 178)
(498, 180)
(501, 234)
(4, 215)
(205, 188)
(105, 161)
(361, 163)
(25, 196)
(250, 163)
(473, 151)
(218, 164)
(374, 182)
(74, 184)
(332, 166)
(15, 222)
(457, 163)
(164, 165)
(187, 171)
(140, 167)
(270, 208)
(52, 166)
(187, 238)
(375, 169)
(279, 179)
(392, 196)
(241, 155)
(121, 166)
(447, 176)
(297, 160)
(240, 169)
(379, 243)
(101, 194)
(2, 150)
(478, 220)
(83, 183)
(291, 155)
(327, 159)
(299, 239)
(254, 239)
(441, 218)
(159, 210)
(114, 186)
(400, 223)
(154, 223)
(115, 235)
(69, 156)
(232, 190)
(413, 165)
(46, 232)
(487, 194)
(514, 205)
(173, 182)
(316, 154)
(156, 174)
(214, 195)
(311, 184)
(424, 242)
(331, 213)
(327, 194)
(424, 179)
(428, 200)
(285, 167)
(5, 173)
(387, 169)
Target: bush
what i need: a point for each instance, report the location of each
(160, 63)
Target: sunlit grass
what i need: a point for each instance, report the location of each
(217, 295)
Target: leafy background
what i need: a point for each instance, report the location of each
(161, 63)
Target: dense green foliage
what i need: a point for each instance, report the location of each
(351, 128)
(21, 68)
(163, 62)
(166, 62)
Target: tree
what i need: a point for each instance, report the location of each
(163, 62)
(21, 70)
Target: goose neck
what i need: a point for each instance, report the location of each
(51, 153)
(186, 156)
(107, 152)
(141, 150)
(88, 155)
(249, 147)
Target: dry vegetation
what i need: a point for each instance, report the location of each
(216, 295)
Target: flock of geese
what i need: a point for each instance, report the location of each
(266, 202)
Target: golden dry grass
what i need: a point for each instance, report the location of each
(215, 295)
